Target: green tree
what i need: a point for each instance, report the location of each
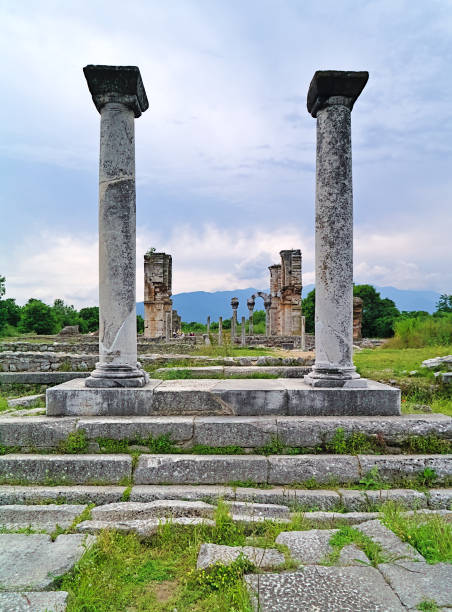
(444, 303)
(379, 314)
(12, 311)
(89, 318)
(2, 286)
(64, 314)
(140, 324)
(2, 309)
(308, 311)
(37, 317)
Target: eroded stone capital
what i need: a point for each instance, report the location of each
(118, 84)
(330, 87)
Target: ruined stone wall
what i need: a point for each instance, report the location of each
(358, 305)
(285, 289)
(158, 305)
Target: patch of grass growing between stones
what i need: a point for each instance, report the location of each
(348, 535)
(430, 444)
(6, 450)
(159, 445)
(428, 605)
(431, 535)
(76, 442)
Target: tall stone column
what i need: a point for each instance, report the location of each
(331, 97)
(268, 320)
(250, 303)
(220, 331)
(119, 96)
(208, 324)
(243, 332)
(234, 306)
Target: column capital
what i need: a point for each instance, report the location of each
(120, 84)
(335, 87)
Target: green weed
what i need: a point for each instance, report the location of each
(347, 535)
(76, 442)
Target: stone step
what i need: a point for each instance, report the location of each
(232, 371)
(46, 432)
(40, 517)
(296, 499)
(64, 469)
(241, 397)
(286, 469)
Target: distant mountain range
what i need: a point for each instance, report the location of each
(198, 305)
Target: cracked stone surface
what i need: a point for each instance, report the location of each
(392, 546)
(32, 562)
(41, 517)
(265, 558)
(415, 582)
(323, 589)
(50, 601)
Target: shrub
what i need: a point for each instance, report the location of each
(422, 331)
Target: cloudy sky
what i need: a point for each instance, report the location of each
(226, 151)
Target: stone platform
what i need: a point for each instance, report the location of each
(247, 397)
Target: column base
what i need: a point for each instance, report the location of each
(109, 376)
(334, 377)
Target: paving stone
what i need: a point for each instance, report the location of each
(267, 510)
(415, 582)
(199, 469)
(309, 547)
(247, 432)
(391, 545)
(244, 517)
(440, 499)
(264, 558)
(10, 494)
(32, 562)
(35, 432)
(155, 509)
(147, 493)
(405, 497)
(287, 469)
(323, 589)
(394, 467)
(27, 400)
(50, 601)
(42, 517)
(178, 428)
(142, 527)
(188, 397)
(65, 469)
(352, 555)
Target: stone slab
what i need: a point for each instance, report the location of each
(392, 546)
(323, 589)
(35, 432)
(263, 558)
(72, 398)
(64, 469)
(40, 378)
(376, 399)
(396, 467)
(41, 517)
(247, 432)
(155, 509)
(322, 519)
(50, 601)
(241, 397)
(199, 469)
(250, 397)
(313, 431)
(26, 401)
(179, 429)
(353, 501)
(33, 562)
(210, 493)
(416, 582)
(352, 555)
(292, 469)
(10, 494)
(141, 527)
(407, 498)
(440, 499)
(269, 511)
(310, 547)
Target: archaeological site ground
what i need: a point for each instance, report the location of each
(228, 470)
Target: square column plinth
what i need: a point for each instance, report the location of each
(233, 397)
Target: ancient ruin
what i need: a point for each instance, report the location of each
(358, 305)
(160, 319)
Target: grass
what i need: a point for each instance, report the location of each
(430, 535)
(422, 331)
(348, 535)
(227, 350)
(391, 365)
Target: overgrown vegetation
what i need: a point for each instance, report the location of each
(422, 331)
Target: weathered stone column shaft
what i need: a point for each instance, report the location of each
(117, 237)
